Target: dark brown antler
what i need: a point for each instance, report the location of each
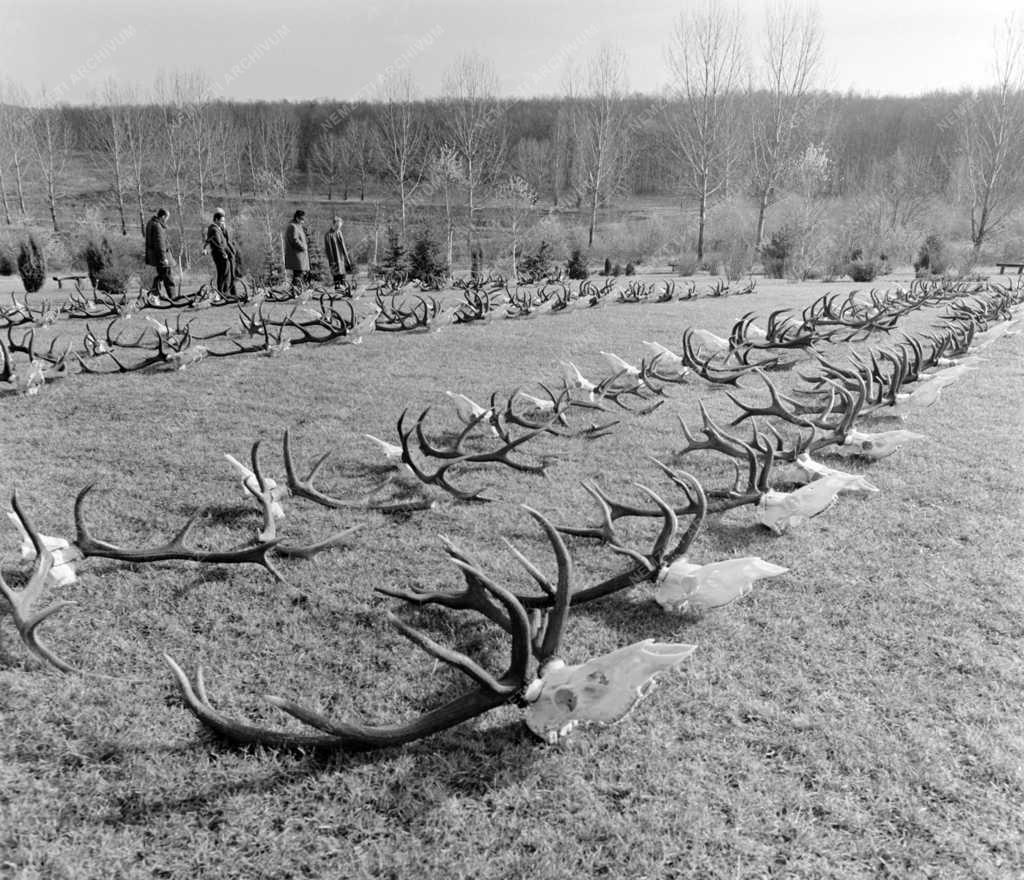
(490, 691)
(20, 604)
(304, 488)
(256, 552)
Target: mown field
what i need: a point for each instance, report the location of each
(857, 717)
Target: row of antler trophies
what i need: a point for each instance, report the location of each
(820, 414)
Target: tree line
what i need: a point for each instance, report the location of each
(725, 127)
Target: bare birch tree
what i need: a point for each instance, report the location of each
(139, 129)
(706, 59)
(600, 132)
(445, 177)
(15, 137)
(175, 154)
(401, 139)
(51, 144)
(791, 60)
(993, 140)
(474, 124)
(108, 137)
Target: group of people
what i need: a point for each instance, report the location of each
(225, 259)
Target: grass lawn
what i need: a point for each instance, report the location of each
(859, 716)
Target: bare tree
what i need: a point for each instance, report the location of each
(108, 137)
(279, 140)
(706, 59)
(51, 143)
(792, 56)
(993, 140)
(474, 124)
(15, 136)
(401, 139)
(198, 121)
(139, 130)
(173, 97)
(600, 132)
(445, 177)
(358, 151)
(517, 197)
(326, 160)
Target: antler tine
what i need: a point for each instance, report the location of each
(777, 406)
(475, 596)
(20, 603)
(604, 532)
(257, 553)
(547, 637)
(304, 488)
(668, 529)
(491, 693)
(438, 477)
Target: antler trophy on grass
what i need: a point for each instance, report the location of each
(556, 697)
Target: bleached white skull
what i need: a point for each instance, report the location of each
(782, 511)
(601, 691)
(684, 586)
(851, 483)
(64, 553)
(880, 445)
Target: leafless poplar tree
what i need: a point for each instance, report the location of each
(445, 178)
(51, 143)
(139, 130)
(993, 140)
(791, 59)
(108, 136)
(15, 137)
(600, 133)
(326, 161)
(357, 152)
(401, 139)
(706, 59)
(175, 156)
(279, 137)
(474, 128)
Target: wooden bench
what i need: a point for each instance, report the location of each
(1019, 267)
(60, 279)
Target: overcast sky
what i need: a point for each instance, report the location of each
(273, 49)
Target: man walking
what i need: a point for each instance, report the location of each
(218, 245)
(337, 256)
(158, 254)
(296, 250)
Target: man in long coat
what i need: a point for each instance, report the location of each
(158, 254)
(337, 255)
(219, 246)
(296, 249)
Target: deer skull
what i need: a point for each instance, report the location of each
(781, 511)
(601, 691)
(684, 586)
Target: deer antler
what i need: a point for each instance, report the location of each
(490, 692)
(256, 552)
(20, 604)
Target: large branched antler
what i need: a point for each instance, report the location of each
(490, 692)
(21, 604)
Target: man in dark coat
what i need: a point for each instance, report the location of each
(337, 256)
(296, 249)
(158, 255)
(218, 245)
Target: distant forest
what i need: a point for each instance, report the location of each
(713, 170)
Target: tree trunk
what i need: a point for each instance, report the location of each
(762, 210)
(593, 219)
(3, 197)
(701, 218)
(19, 184)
